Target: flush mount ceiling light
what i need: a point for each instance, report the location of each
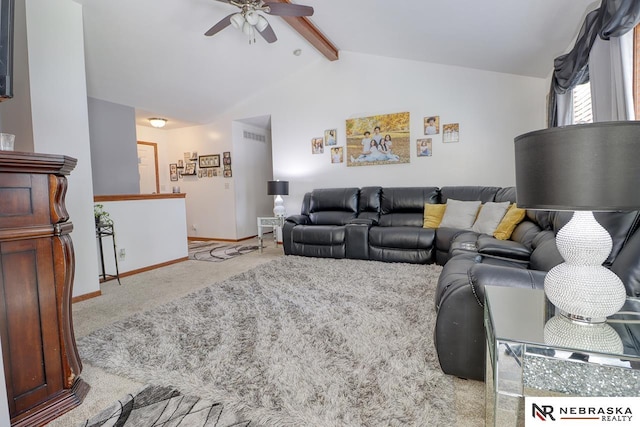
(157, 122)
(249, 21)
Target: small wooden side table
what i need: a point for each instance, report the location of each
(275, 223)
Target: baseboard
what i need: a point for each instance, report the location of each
(215, 239)
(84, 297)
(90, 295)
(152, 267)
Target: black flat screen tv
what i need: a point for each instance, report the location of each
(6, 49)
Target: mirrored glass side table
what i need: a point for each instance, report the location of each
(275, 223)
(523, 361)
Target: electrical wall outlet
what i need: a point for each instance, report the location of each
(122, 254)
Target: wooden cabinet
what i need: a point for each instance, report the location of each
(41, 361)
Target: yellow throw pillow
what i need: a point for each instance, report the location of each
(513, 217)
(433, 215)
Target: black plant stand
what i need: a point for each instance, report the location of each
(105, 230)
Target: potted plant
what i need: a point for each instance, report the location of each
(101, 216)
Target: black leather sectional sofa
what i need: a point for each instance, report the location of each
(386, 224)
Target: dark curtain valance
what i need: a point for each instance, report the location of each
(613, 18)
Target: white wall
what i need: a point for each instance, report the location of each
(114, 150)
(252, 168)
(60, 119)
(218, 207)
(163, 237)
(492, 109)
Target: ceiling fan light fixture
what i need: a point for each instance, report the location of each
(248, 29)
(157, 122)
(262, 23)
(252, 17)
(237, 21)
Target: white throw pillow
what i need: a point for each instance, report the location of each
(460, 214)
(491, 213)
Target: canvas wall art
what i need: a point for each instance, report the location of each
(330, 137)
(432, 125)
(378, 140)
(425, 147)
(316, 146)
(451, 132)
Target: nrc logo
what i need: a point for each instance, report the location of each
(542, 412)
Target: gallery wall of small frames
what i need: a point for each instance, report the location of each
(383, 139)
(204, 166)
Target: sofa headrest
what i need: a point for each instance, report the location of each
(334, 199)
(506, 194)
(406, 199)
(333, 206)
(468, 193)
(369, 203)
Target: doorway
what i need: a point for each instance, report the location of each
(148, 167)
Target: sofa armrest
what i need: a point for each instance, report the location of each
(363, 221)
(482, 275)
(299, 219)
(491, 246)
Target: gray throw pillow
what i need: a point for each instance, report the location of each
(460, 214)
(491, 213)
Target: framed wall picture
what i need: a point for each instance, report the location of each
(316, 146)
(227, 167)
(226, 160)
(330, 137)
(226, 154)
(180, 163)
(451, 132)
(432, 125)
(209, 161)
(173, 171)
(227, 173)
(378, 140)
(190, 169)
(424, 147)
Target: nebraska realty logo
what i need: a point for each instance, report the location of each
(582, 411)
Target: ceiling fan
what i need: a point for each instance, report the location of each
(249, 19)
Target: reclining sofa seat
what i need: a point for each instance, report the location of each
(459, 334)
(320, 229)
(399, 235)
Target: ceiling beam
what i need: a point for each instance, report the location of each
(311, 33)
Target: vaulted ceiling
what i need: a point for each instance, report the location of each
(153, 55)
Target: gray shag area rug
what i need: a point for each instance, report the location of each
(295, 342)
(216, 252)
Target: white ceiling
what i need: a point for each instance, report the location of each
(153, 55)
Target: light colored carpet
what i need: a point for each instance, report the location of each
(147, 290)
(298, 341)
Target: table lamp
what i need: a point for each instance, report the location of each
(581, 168)
(278, 189)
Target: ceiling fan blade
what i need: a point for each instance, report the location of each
(289, 9)
(224, 23)
(268, 34)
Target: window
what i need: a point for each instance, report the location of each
(582, 104)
